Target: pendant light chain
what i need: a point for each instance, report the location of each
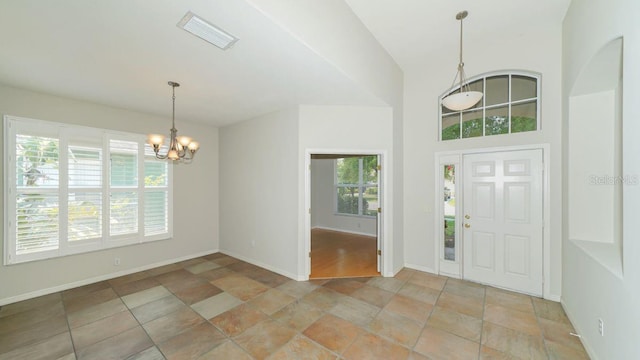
(464, 98)
(461, 63)
(173, 113)
(460, 74)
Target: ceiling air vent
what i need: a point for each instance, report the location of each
(207, 31)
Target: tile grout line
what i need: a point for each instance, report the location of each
(544, 341)
(140, 324)
(424, 326)
(484, 307)
(66, 317)
(409, 347)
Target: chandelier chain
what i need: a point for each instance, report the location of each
(180, 148)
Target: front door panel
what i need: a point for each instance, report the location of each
(502, 237)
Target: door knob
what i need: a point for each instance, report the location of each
(467, 226)
(467, 217)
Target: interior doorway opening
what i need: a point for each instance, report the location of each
(345, 208)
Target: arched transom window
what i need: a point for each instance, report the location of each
(511, 104)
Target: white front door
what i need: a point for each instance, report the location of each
(503, 222)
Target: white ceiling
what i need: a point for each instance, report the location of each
(413, 30)
(122, 53)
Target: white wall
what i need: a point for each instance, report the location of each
(590, 290)
(263, 200)
(195, 218)
(323, 214)
(335, 129)
(537, 50)
(259, 198)
(347, 44)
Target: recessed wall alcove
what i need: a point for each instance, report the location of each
(595, 175)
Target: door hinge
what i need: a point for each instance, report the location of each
(379, 252)
(309, 253)
(379, 210)
(309, 210)
(379, 167)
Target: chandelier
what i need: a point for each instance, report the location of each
(181, 148)
(465, 98)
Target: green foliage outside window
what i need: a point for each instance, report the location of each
(473, 128)
(359, 179)
(36, 159)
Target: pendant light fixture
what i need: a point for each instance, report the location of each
(181, 148)
(465, 98)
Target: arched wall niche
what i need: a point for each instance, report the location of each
(595, 175)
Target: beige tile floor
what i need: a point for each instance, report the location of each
(217, 307)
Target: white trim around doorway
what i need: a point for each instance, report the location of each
(383, 233)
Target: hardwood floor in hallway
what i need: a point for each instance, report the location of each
(337, 254)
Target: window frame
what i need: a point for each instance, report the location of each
(361, 186)
(510, 73)
(67, 136)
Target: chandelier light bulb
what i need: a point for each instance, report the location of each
(155, 139)
(184, 140)
(194, 146)
(173, 155)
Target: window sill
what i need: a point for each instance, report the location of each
(355, 215)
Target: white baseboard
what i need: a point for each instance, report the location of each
(553, 297)
(263, 265)
(67, 286)
(584, 342)
(342, 230)
(420, 268)
(393, 272)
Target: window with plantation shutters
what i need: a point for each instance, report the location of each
(84, 196)
(124, 192)
(36, 192)
(156, 194)
(73, 189)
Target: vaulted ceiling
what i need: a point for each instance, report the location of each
(122, 53)
(414, 30)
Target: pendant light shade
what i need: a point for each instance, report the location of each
(466, 98)
(462, 101)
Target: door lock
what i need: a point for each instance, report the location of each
(467, 217)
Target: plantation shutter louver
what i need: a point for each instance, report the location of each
(37, 217)
(156, 194)
(124, 187)
(85, 190)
